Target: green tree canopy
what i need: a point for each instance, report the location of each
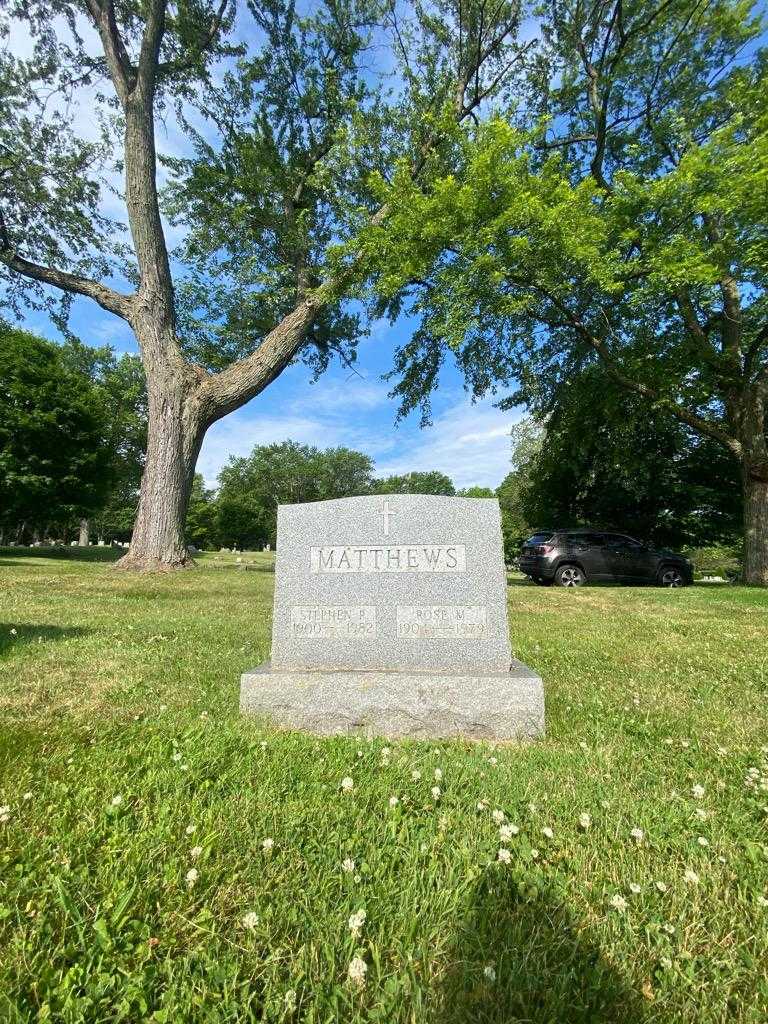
(419, 482)
(620, 219)
(55, 461)
(605, 463)
(251, 488)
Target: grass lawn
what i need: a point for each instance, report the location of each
(124, 766)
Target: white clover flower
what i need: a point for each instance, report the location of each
(267, 844)
(584, 745)
(504, 856)
(661, 886)
(666, 963)
(762, 901)
(547, 832)
(637, 834)
(348, 865)
(702, 841)
(482, 805)
(191, 877)
(498, 816)
(116, 800)
(356, 971)
(359, 753)
(14, 631)
(415, 774)
(386, 751)
(532, 808)
(534, 854)
(27, 796)
(618, 902)
(356, 922)
(507, 831)
(701, 814)
(190, 830)
(489, 974)
(263, 744)
(438, 774)
(668, 928)
(195, 852)
(393, 801)
(685, 744)
(177, 755)
(584, 820)
(493, 761)
(698, 791)
(436, 792)
(347, 785)
(250, 920)
(691, 876)
(634, 888)
(5, 813)
(289, 999)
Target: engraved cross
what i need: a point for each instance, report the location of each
(386, 514)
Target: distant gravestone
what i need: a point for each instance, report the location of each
(390, 618)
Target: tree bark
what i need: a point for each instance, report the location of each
(755, 530)
(175, 434)
(85, 529)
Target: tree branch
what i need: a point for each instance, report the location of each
(114, 301)
(121, 70)
(698, 423)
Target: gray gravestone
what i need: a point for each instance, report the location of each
(390, 618)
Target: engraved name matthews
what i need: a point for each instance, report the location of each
(389, 558)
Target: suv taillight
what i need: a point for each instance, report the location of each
(544, 549)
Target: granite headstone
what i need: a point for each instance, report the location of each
(390, 618)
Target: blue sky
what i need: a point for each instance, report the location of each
(470, 443)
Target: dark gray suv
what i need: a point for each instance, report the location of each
(571, 558)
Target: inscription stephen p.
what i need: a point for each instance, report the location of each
(333, 621)
(389, 558)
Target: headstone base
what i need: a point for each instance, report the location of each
(416, 705)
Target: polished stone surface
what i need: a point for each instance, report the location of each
(390, 618)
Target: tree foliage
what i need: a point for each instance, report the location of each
(55, 460)
(251, 488)
(419, 482)
(605, 463)
(620, 218)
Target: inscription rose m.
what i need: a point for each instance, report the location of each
(389, 558)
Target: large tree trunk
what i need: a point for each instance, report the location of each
(755, 530)
(175, 434)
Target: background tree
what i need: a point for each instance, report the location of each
(476, 492)
(419, 482)
(604, 462)
(120, 381)
(516, 523)
(55, 461)
(626, 227)
(302, 126)
(250, 489)
(202, 520)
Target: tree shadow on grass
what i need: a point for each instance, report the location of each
(547, 969)
(15, 636)
(11, 554)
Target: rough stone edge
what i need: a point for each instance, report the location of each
(419, 705)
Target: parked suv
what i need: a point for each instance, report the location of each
(571, 558)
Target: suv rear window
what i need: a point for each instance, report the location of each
(539, 538)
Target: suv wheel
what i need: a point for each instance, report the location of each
(570, 576)
(671, 577)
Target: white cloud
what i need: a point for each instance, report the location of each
(468, 442)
